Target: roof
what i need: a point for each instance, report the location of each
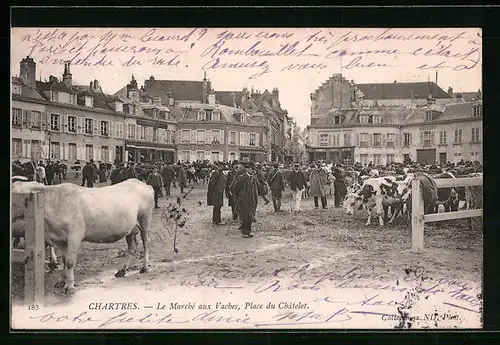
(179, 89)
(226, 98)
(468, 96)
(101, 100)
(402, 90)
(27, 91)
(389, 116)
(54, 85)
(455, 111)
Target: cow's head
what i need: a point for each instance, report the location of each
(352, 202)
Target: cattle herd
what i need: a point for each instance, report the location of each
(73, 214)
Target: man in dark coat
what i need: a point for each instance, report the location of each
(215, 193)
(102, 172)
(168, 175)
(340, 188)
(129, 171)
(182, 178)
(155, 181)
(277, 184)
(297, 184)
(231, 177)
(245, 192)
(88, 174)
(263, 189)
(116, 175)
(49, 172)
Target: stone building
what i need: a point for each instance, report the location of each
(382, 123)
(64, 122)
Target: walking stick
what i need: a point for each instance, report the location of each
(175, 239)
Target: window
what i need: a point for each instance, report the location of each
(185, 136)
(131, 131)
(72, 124)
(363, 159)
(119, 129)
(215, 156)
(17, 117)
(88, 126)
(105, 153)
(200, 136)
(458, 136)
(338, 120)
(232, 156)
(16, 89)
(72, 152)
(377, 159)
(363, 119)
(202, 115)
(53, 96)
(186, 156)
(377, 119)
(347, 139)
(377, 140)
(428, 115)
(407, 139)
(390, 140)
(55, 150)
(168, 136)
(390, 158)
(336, 140)
(54, 122)
(200, 155)
(363, 140)
(442, 138)
(36, 119)
(216, 115)
(323, 139)
(155, 134)
(252, 139)
(476, 111)
(475, 135)
(427, 138)
(232, 138)
(215, 136)
(17, 147)
(89, 152)
(105, 128)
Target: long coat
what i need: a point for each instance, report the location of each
(230, 178)
(182, 177)
(245, 192)
(168, 174)
(262, 187)
(276, 182)
(216, 186)
(318, 182)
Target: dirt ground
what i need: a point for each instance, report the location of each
(321, 238)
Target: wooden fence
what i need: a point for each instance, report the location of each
(418, 218)
(33, 254)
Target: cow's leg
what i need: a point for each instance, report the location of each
(145, 222)
(131, 248)
(369, 221)
(395, 212)
(386, 213)
(53, 258)
(74, 245)
(62, 279)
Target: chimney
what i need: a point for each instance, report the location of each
(233, 99)
(211, 99)
(450, 91)
(67, 77)
(52, 79)
(276, 93)
(205, 88)
(436, 77)
(28, 72)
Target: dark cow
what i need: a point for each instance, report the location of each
(449, 197)
(429, 192)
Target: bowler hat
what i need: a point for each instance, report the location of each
(235, 162)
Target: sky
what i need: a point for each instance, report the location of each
(295, 60)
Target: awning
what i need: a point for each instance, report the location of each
(149, 148)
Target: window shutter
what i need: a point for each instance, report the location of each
(117, 132)
(384, 139)
(44, 121)
(95, 124)
(110, 129)
(78, 125)
(247, 139)
(411, 139)
(370, 139)
(432, 138)
(421, 138)
(357, 139)
(192, 134)
(398, 140)
(242, 139)
(24, 118)
(98, 153)
(257, 139)
(222, 137)
(137, 132)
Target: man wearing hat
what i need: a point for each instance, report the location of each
(245, 193)
(297, 183)
(88, 174)
(215, 193)
(230, 178)
(277, 184)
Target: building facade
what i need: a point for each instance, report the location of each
(64, 122)
(384, 123)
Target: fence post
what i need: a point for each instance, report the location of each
(34, 288)
(417, 217)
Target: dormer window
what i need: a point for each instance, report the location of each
(202, 115)
(216, 115)
(155, 113)
(338, 120)
(16, 89)
(162, 114)
(89, 101)
(363, 119)
(377, 119)
(428, 115)
(476, 110)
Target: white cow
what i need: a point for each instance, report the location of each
(101, 215)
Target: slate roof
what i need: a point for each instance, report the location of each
(27, 91)
(389, 115)
(225, 98)
(402, 90)
(54, 85)
(101, 100)
(468, 96)
(182, 90)
(456, 111)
